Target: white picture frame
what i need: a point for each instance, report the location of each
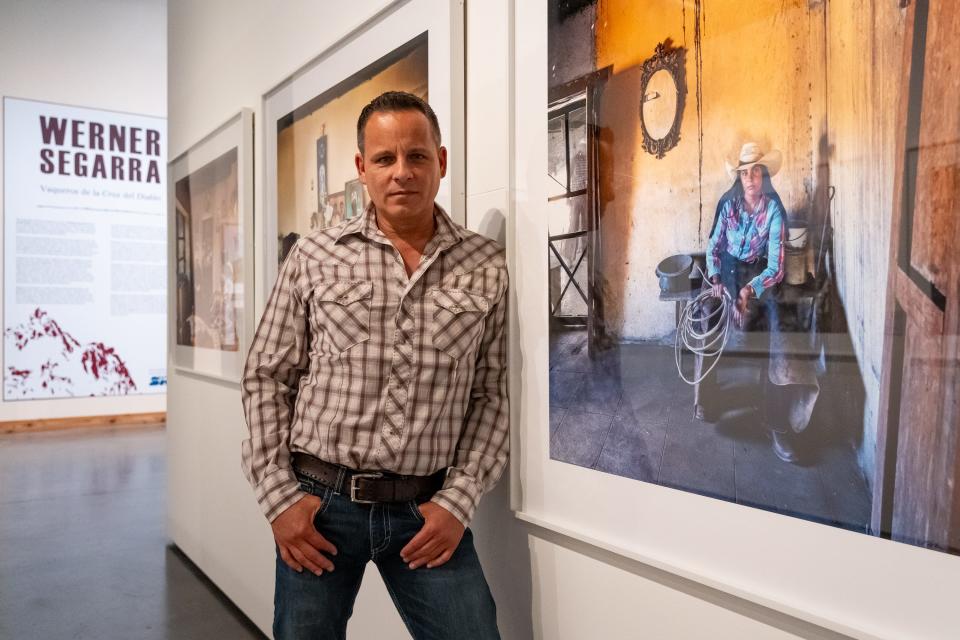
(233, 139)
(391, 28)
(845, 582)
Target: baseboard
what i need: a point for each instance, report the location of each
(83, 422)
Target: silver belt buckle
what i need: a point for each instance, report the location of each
(353, 486)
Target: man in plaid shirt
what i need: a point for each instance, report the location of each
(375, 394)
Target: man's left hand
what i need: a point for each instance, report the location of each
(437, 539)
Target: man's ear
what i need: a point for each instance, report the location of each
(361, 171)
(442, 155)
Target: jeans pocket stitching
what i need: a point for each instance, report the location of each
(324, 501)
(415, 510)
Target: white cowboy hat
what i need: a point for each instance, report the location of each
(750, 154)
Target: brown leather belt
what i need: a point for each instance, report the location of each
(367, 487)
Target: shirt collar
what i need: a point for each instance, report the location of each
(761, 206)
(447, 233)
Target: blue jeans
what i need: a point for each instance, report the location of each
(763, 316)
(449, 601)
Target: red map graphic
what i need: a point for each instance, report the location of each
(45, 361)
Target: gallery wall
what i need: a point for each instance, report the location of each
(101, 54)
(226, 55)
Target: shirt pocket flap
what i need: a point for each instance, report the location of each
(457, 301)
(344, 293)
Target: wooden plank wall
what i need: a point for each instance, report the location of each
(864, 60)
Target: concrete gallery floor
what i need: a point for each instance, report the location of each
(627, 412)
(83, 547)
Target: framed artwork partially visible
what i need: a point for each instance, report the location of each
(310, 138)
(211, 275)
(738, 344)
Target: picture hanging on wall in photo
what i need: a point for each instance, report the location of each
(322, 132)
(337, 203)
(211, 214)
(356, 199)
(321, 172)
(724, 317)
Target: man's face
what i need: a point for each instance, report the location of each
(401, 165)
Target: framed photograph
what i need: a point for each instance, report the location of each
(310, 138)
(321, 172)
(356, 199)
(211, 251)
(722, 348)
(338, 205)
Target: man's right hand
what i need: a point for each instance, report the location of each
(301, 545)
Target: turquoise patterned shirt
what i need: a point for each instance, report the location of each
(749, 237)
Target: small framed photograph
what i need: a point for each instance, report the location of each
(356, 199)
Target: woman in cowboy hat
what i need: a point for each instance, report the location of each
(745, 258)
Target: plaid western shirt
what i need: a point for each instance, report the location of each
(358, 364)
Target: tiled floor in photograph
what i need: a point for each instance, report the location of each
(627, 412)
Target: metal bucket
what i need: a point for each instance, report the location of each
(674, 273)
(797, 234)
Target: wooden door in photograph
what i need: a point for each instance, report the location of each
(917, 485)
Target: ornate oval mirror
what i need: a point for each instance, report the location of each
(663, 90)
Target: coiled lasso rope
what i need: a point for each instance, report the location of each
(708, 344)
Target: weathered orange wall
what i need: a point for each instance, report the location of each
(761, 78)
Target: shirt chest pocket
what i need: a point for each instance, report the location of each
(341, 314)
(458, 320)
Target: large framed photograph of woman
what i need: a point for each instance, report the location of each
(310, 137)
(738, 336)
(211, 246)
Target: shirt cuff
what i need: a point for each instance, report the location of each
(277, 492)
(757, 285)
(460, 497)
